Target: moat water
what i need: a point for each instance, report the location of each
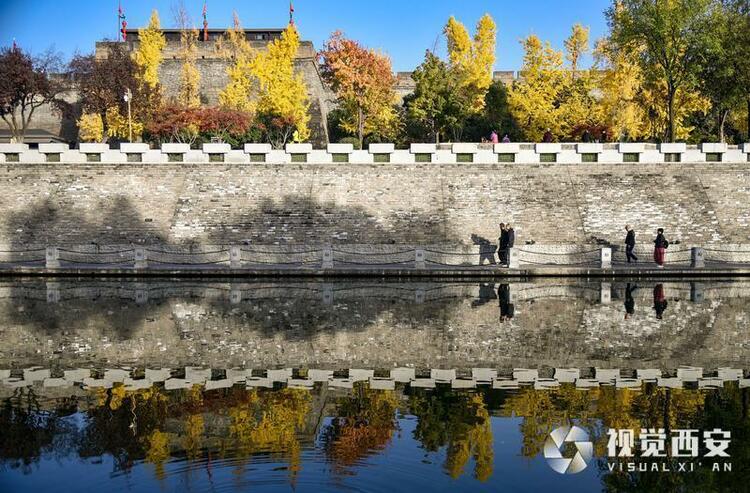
(366, 385)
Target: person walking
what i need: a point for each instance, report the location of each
(630, 244)
(511, 242)
(493, 137)
(660, 248)
(547, 136)
(502, 251)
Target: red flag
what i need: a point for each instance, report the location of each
(122, 35)
(205, 22)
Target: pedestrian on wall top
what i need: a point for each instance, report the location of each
(493, 137)
(547, 136)
(506, 139)
(511, 235)
(660, 248)
(586, 136)
(630, 244)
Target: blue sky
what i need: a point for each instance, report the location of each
(401, 28)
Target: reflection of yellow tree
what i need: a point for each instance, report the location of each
(365, 422)
(460, 421)
(269, 422)
(157, 451)
(472, 440)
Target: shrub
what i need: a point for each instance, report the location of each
(91, 128)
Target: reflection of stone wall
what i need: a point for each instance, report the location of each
(292, 204)
(366, 325)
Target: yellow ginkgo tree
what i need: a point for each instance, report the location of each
(149, 55)
(239, 93)
(472, 59)
(282, 93)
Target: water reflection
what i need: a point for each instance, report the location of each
(335, 439)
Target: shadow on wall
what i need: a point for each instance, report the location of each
(293, 219)
(55, 223)
(296, 219)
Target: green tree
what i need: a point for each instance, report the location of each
(667, 35)
(437, 107)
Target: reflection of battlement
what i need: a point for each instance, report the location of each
(685, 377)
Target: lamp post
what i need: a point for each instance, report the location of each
(128, 97)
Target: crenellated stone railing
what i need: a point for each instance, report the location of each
(458, 153)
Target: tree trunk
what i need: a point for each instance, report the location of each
(722, 123)
(748, 121)
(670, 112)
(361, 127)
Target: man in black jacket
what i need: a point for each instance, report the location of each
(502, 250)
(630, 244)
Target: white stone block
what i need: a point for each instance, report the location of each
(361, 157)
(76, 375)
(4, 374)
(746, 147)
(648, 374)
(299, 383)
(97, 383)
(607, 375)
(567, 375)
(319, 375)
(403, 375)
(141, 384)
(253, 382)
(710, 383)
(116, 375)
(689, 373)
(223, 383)
(672, 147)
(423, 383)
(442, 375)
(628, 383)
(236, 376)
(548, 148)
(382, 384)
(13, 148)
(360, 375)
(670, 383)
(483, 375)
(485, 156)
(55, 382)
(176, 384)
(114, 156)
(175, 148)
(381, 148)
(53, 148)
(631, 147)
(505, 383)
(464, 148)
(546, 383)
(134, 147)
(713, 147)
(342, 383)
(281, 375)
(216, 148)
(524, 375)
(589, 148)
(236, 156)
(463, 383)
(317, 156)
(423, 148)
(730, 373)
(507, 148)
(93, 147)
(257, 148)
(299, 148)
(340, 148)
(36, 374)
(197, 375)
(587, 383)
(402, 157)
(159, 375)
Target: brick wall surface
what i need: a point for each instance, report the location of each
(383, 204)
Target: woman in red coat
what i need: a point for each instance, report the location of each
(660, 248)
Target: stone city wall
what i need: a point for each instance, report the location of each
(420, 196)
(556, 323)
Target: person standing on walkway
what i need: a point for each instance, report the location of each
(547, 137)
(493, 137)
(511, 241)
(630, 244)
(502, 251)
(506, 139)
(660, 248)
